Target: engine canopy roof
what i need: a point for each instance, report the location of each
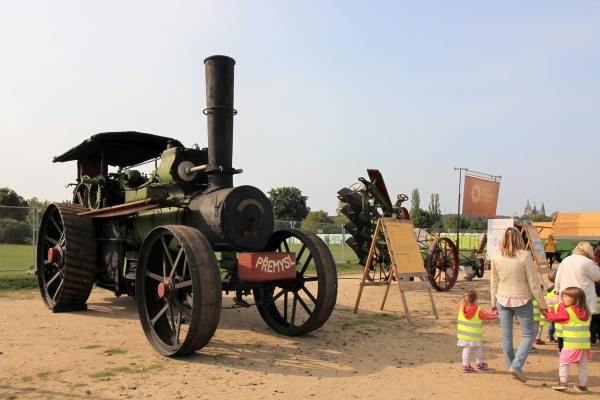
(120, 148)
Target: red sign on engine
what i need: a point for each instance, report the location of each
(260, 267)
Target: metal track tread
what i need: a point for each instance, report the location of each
(66, 284)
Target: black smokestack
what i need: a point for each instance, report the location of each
(219, 109)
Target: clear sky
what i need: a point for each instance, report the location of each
(324, 90)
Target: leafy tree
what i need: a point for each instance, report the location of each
(39, 207)
(317, 221)
(9, 197)
(289, 204)
(318, 216)
(438, 225)
(450, 222)
(415, 201)
(339, 219)
(338, 210)
(434, 208)
(537, 218)
(478, 225)
(420, 218)
(17, 229)
(13, 231)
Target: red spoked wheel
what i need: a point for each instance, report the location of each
(442, 264)
(403, 213)
(379, 269)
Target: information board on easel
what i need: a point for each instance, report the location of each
(406, 262)
(534, 244)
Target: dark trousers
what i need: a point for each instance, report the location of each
(551, 330)
(550, 257)
(560, 343)
(595, 328)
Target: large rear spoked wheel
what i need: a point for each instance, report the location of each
(178, 290)
(442, 264)
(66, 257)
(299, 306)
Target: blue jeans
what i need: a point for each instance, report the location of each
(551, 330)
(525, 316)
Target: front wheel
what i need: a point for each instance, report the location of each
(178, 290)
(298, 306)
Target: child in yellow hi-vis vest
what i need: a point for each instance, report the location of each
(550, 301)
(539, 322)
(470, 324)
(574, 315)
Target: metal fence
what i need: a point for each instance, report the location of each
(18, 237)
(335, 236)
(18, 234)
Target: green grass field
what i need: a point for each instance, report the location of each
(350, 264)
(17, 281)
(15, 256)
(20, 257)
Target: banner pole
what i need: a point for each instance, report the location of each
(460, 170)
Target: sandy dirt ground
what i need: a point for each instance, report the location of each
(102, 353)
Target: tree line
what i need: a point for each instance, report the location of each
(432, 217)
(290, 205)
(16, 225)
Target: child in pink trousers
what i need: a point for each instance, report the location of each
(574, 315)
(469, 327)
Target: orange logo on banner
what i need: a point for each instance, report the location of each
(480, 197)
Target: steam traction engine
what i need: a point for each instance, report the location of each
(157, 236)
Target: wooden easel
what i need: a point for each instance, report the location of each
(534, 244)
(404, 247)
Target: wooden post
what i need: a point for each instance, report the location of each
(367, 265)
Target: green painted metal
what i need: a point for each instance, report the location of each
(145, 221)
(149, 192)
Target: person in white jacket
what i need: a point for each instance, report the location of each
(580, 270)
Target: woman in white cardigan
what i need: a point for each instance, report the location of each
(514, 284)
(580, 270)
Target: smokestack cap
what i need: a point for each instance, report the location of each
(217, 56)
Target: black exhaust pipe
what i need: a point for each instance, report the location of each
(220, 112)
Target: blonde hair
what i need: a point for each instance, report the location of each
(585, 249)
(469, 297)
(578, 297)
(511, 242)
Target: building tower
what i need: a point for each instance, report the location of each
(527, 211)
(543, 210)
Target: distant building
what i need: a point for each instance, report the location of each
(534, 211)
